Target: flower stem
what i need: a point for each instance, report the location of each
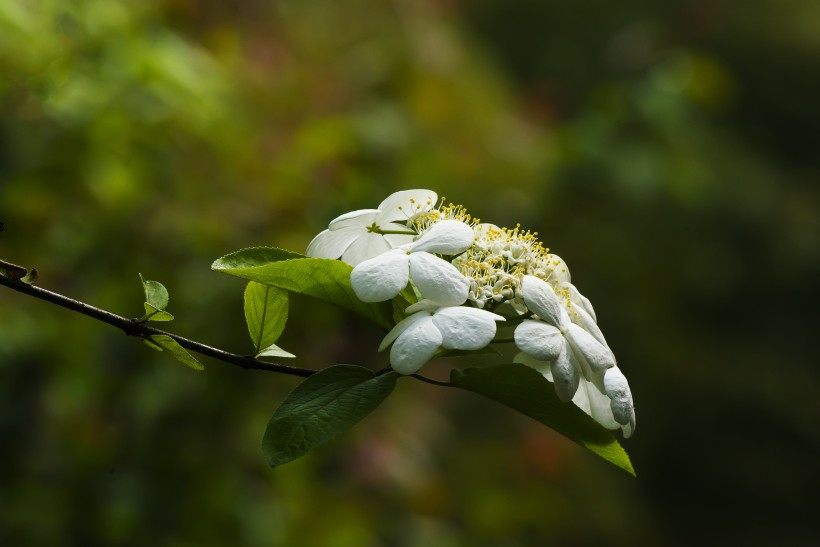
(431, 381)
(132, 327)
(397, 232)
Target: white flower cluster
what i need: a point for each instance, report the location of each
(468, 276)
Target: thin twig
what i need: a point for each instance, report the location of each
(132, 327)
(431, 381)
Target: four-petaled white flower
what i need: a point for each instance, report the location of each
(582, 368)
(384, 276)
(432, 326)
(359, 235)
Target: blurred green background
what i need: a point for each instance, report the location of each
(668, 151)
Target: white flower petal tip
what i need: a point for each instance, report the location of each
(542, 300)
(617, 389)
(406, 204)
(448, 237)
(362, 217)
(382, 277)
(415, 346)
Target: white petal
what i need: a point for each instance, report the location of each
(541, 300)
(581, 318)
(448, 237)
(559, 273)
(415, 346)
(581, 399)
(539, 339)
(396, 240)
(367, 245)
(617, 388)
(333, 243)
(360, 219)
(403, 205)
(541, 366)
(565, 375)
(427, 305)
(628, 429)
(588, 349)
(402, 326)
(465, 328)
(380, 278)
(438, 280)
(577, 298)
(589, 399)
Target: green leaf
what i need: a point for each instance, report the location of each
(266, 312)
(321, 278)
(153, 314)
(31, 277)
(321, 408)
(254, 256)
(151, 344)
(155, 293)
(274, 351)
(527, 391)
(163, 342)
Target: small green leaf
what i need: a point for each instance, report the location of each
(31, 277)
(163, 342)
(527, 391)
(321, 408)
(155, 293)
(153, 314)
(321, 278)
(266, 312)
(151, 344)
(274, 351)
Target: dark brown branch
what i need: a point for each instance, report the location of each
(132, 327)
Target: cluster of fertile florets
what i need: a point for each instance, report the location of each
(497, 262)
(467, 277)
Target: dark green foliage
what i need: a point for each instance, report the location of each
(321, 408)
(527, 391)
